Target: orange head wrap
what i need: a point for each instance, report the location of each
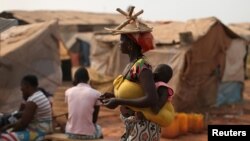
(144, 40)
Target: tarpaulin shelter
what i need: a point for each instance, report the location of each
(84, 51)
(243, 29)
(106, 56)
(7, 23)
(29, 49)
(202, 55)
(70, 24)
(79, 49)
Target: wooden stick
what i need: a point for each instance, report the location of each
(126, 22)
(123, 24)
(137, 14)
(131, 10)
(122, 12)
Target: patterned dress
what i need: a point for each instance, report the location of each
(139, 129)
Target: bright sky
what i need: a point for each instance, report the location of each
(228, 11)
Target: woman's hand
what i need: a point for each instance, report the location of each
(111, 103)
(6, 127)
(106, 96)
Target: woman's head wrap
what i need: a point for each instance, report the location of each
(136, 30)
(144, 40)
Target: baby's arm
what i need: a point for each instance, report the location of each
(163, 96)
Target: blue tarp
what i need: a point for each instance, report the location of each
(229, 93)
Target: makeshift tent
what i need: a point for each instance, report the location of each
(244, 31)
(64, 17)
(82, 47)
(200, 52)
(30, 49)
(79, 48)
(70, 22)
(241, 30)
(104, 53)
(6, 23)
(243, 25)
(106, 56)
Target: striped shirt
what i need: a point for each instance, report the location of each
(43, 110)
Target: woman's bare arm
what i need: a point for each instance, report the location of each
(27, 116)
(151, 97)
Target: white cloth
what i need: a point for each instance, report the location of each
(81, 100)
(44, 110)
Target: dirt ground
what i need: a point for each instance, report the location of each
(113, 128)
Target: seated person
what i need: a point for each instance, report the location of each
(11, 118)
(83, 108)
(36, 118)
(47, 94)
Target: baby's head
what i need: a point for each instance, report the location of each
(163, 72)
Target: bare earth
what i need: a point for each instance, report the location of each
(113, 128)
